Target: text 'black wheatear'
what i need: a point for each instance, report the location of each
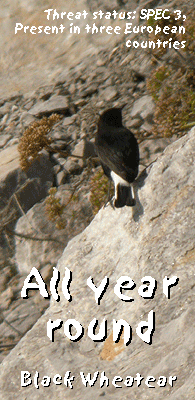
(118, 151)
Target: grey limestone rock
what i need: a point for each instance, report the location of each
(6, 108)
(38, 253)
(4, 139)
(61, 177)
(151, 148)
(26, 119)
(109, 93)
(156, 238)
(54, 104)
(143, 107)
(30, 186)
(20, 190)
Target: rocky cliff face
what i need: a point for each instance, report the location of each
(103, 73)
(79, 76)
(156, 238)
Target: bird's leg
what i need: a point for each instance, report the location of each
(109, 186)
(109, 200)
(131, 197)
(133, 191)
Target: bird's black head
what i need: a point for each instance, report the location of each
(112, 117)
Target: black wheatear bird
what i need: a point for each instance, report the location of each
(118, 151)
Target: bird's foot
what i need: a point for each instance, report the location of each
(110, 202)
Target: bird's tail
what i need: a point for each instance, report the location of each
(123, 196)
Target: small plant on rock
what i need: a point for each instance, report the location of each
(168, 20)
(172, 85)
(99, 191)
(34, 139)
(174, 94)
(54, 209)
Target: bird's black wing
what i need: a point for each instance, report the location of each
(118, 150)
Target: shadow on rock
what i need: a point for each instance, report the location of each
(138, 210)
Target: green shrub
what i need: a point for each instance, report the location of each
(99, 191)
(54, 209)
